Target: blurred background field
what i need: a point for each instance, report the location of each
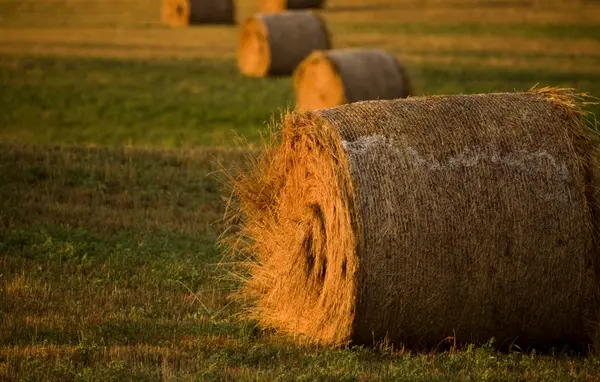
(113, 131)
(108, 73)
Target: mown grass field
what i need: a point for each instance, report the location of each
(113, 132)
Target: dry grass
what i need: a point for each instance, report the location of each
(214, 42)
(144, 13)
(136, 33)
(460, 43)
(209, 41)
(466, 11)
(218, 43)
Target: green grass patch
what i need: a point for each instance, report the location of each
(468, 80)
(143, 103)
(186, 103)
(111, 190)
(83, 300)
(65, 13)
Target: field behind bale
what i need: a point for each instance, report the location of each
(108, 73)
(113, 133)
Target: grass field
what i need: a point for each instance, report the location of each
(113, 132)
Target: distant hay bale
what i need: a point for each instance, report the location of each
(425, 218)
(191, 12)
(274, 6)
(331, 78)
(276, 44)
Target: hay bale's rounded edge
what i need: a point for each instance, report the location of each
(320, 253)
(175, 13)
(254, 54)
(327, 85)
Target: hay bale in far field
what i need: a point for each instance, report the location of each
(274, 6)
(426, 218)
(190, 12)
(276, 44)
(331, 78)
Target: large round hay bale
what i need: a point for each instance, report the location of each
(275, 6)
(276, 44)
(415, 220)
(331, 78)
(191, 12)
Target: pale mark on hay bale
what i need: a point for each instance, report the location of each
(408, 157)
(466, 158)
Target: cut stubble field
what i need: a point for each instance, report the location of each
(114, 134)
(110, 271)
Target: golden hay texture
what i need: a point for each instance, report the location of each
(274, 6)
(331, 78)
(275, 44)
(470, 216)
(191, 12)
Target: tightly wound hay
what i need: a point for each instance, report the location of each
(190, 12)
(418, 219)
(276, 44)
(274, 6)
(331, 78)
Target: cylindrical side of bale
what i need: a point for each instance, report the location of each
(331, 78)
(275, 6)
(275, 44)
(420, 219)
(193, 12)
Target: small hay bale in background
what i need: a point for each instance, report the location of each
(274, 6)
(191, 12)
(335, 77)
(276, 44)
(425, 218)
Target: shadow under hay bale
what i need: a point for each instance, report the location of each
(335, 77)
(276, 44)
(274, 6)
(195, 12)
(415, 220)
